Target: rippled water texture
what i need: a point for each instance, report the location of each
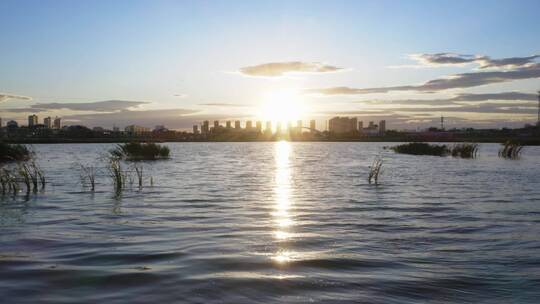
(278, 222)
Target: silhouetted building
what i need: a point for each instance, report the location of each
(258, 126)
(360, 126)
(47, 121)
(32, 120)
(195, 129)
(312, 125)
(228, 124)
(268, 128)
(248, 125)
(371, 125)
(278, 127)
(339, 125)
(382, 127)
(205, 127)
(216, 124)
(237, 124)
(135, 129)
(57, 124)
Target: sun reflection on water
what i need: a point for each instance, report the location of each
(283, 200)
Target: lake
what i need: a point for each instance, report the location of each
(277, 223)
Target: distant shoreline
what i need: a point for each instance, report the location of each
(527, 141)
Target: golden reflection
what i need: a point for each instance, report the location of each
(282, 190)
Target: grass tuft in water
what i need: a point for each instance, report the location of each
(464, 150)
(88, 176)
(510, 150)
(14, 152)
(140, 151)
(117, 175)
(375, 170)
(417, 148)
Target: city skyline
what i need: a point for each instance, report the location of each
(186, 62)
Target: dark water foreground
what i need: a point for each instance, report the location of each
(278, 223)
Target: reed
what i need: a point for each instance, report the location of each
(375, 170)
(88, 175)
(510, 150)
(417, 148)
(117, 175)
(464, 150)
(140, 151)
(139, 172)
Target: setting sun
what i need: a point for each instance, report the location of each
(282, 106)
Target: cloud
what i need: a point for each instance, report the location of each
(484, 62)
(278, 69)
(232, 105)
(457, 81)
(99, 106)
(171, 118)
(6, 97)
(525, 98)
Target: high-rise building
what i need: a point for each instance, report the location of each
(342, 125)
(248, 125)
(216, 124)
(12, 124)
(32, 120)
(228, 124)
(205, 128)
(360, 126)
(312, 125)
(354, 123)
(258, 126)
(135, 129)
(57, 124)
(237, 124)
(278, 127)
(47, 121)
(195, 129)
(371, 125)
(268, 128)
(382, 127)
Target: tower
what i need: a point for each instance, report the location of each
(442, 123)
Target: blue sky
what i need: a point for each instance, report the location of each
(183, 55)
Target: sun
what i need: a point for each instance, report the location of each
(282, 106)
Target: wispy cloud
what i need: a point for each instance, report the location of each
(224, 104)
(278, 69)
(483, 62)
(98, 106)
(457, 81)
(6, 97)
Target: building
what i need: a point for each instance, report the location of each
(248, 125)
(360, 126)
(237, 124)
(312, 125)
(371, 125)
(228, 124)
(268, 128)
(258, 126)
(195, 129)
(135, 129)
(339, 125)
(47, 121)
(57, 124)
(382, 127)
(114, 128)
(278, 127)
(32, 120)
(216, 124)
(205, 127)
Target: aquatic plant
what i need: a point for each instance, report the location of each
(117, 175)
(464, 150)
(14, 152)
(88, 175)
(139, 172)
(375, 170)
(510, 150)
(140, 151)
(8, 182)
(31, 175)
(417, 148)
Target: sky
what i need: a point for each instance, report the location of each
(177, 63)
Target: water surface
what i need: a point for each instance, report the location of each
(277, 223)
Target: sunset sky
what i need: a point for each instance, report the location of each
(176, 63)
